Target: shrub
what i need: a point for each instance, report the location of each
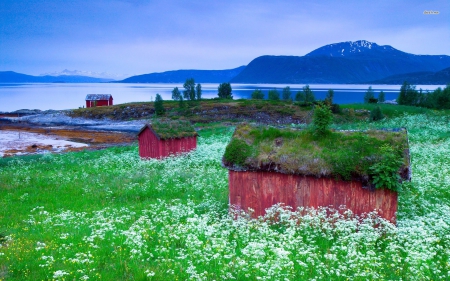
(335, 108)
(329, 97)
(376, 114)
(381, 97)
(385, 172)
(287, 93)
(370, 94)
(237, 152)
(408, 95)
(176, 95)
(274, 95)
(309, 94)
(257, 95)
(159, 107)
(300, 96)
(322, 119)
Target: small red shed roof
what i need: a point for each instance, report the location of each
(345, 154)
(170, 129)
(98, 97)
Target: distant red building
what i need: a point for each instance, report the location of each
(162, 139)
(99, 100)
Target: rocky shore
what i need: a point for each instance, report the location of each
(61, 118)
(33, 132)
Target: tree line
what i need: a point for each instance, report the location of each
(437, 99)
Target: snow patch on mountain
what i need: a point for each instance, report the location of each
(349, 48)
(106, 75)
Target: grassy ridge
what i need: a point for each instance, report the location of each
(107, 215)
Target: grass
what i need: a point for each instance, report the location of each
(107, 215)
(340, 154)
(167, 129)
(389, 110)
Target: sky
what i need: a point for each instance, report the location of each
(129, 37)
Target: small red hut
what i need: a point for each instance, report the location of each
(98, 100)
(269, 166)
(164, 138)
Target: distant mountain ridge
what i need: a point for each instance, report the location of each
(14, 77)
(180, 76)
(341, 63)
(441, 77)
(358, 62)
(104, 75)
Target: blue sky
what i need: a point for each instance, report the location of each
(134, 37)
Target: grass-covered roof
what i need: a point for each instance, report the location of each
(171, 129)
(347, 155)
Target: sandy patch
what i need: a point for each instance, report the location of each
(19, 143)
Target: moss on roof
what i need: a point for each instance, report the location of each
(171, 129)
(347, 155)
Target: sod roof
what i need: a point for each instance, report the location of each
(171, 129)
(346, 155)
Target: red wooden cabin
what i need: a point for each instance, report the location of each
(262, 183)
(162, 139)
(98, 100)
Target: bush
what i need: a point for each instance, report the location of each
(257, 95)
(329, 97)
(274, 95)
(385, 172)
(335, 108)
(376, 114)
(287, 93)
(322, 120)
(370, 95)
(408, 95)
(300, 96)
(159, 107)
(439, 98)
(236, 152)
(309, 94)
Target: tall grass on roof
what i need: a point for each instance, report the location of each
(173, 129)
(346, 155)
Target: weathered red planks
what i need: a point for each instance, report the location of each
(261, 190)
(150, 146)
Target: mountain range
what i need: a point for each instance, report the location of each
(348, 62)
(104, 75)
(14, 77)
(358, 62)
(441, 77)
(179, 76)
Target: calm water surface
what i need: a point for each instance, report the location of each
(72, 95)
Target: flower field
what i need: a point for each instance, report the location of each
(108, 215)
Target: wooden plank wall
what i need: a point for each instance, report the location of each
(152, 147)
(148, 144)
(261, 190)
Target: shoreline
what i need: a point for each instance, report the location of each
(56, 132)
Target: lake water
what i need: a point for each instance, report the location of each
(68, 96)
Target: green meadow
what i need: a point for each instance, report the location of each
(108, 215)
